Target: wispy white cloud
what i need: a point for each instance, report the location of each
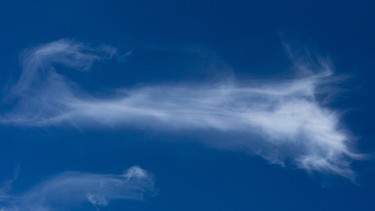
(72, 189)
(280, 120)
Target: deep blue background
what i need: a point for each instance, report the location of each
(245, 35)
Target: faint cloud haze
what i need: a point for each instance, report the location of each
(71, 189)
(282, 120)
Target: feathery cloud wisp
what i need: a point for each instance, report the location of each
(281, 120)
(71, 189)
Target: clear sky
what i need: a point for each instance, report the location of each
(187, 105)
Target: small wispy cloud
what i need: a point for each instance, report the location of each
(72, 189)
(280, 120)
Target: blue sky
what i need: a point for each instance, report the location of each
(186, 105)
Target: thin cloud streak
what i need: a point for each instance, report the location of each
(72, 189)
(282, 120)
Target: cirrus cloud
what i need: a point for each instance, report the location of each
(71, 189)
(281, 120)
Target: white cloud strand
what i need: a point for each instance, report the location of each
(281, 120)
(72, 189)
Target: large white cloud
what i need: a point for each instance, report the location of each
(72, 189)
(279, 120)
